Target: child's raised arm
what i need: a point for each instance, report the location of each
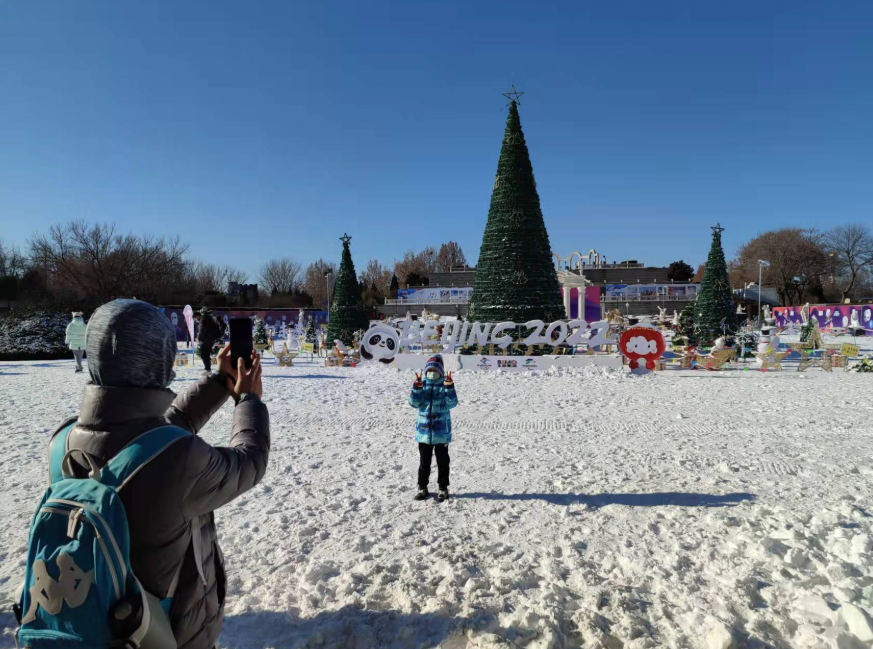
(449, 391)
(415, 397)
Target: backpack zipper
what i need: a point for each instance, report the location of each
(95, 514)
(74, 519)
(74, 516)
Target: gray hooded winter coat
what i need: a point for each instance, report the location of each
(170, 502)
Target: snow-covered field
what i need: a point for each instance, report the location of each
(589, 509)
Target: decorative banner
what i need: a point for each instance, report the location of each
(524, 363)
(650, 291)
(643, 346)
(505, 363)
(839, 316)
(188, 312)
(273, 318)
(436, 295)
(850, 351)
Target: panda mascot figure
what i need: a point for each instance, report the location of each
(380, 343)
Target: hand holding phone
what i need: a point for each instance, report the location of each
(247, 381)
(241, 341)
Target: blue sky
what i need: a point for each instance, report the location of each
(262, 129)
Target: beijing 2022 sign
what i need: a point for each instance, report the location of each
(383, 342)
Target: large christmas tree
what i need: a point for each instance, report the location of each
(347, 313)
(516, 279)
(714, 311)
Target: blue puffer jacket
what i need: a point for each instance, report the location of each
(434, 401)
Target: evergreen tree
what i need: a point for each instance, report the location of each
(679, 271)
(347, 313)
(261, 337)
(516, 278)
(310, 331)
(685, 331)
(715, 312)
(395, 286)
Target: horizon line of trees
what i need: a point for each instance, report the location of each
(79, 266)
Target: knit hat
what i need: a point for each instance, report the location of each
(130, 344)
(435, 363)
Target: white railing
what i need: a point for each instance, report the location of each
(457, 299)
(648, 298)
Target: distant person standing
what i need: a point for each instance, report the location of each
(207, 334)
(75, 338)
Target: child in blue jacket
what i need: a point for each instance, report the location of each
(434, 397)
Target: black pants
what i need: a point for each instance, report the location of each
(425, 453)
(206, 355)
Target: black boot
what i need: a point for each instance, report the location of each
(422, 494)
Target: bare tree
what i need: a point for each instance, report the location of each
(98, 263)
(798, 262)
(375, 276)
(450, 256)
(205, 277)
(851, 249)
(279, 275)
(12, 262)
(316, 284)
(419, 265)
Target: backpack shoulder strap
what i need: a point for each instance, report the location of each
(138, 453)
(57, 451)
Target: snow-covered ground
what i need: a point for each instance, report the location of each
(589, 509)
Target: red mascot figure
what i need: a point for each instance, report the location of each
(643, 346)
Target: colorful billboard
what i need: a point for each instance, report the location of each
(272, 318)
(833, 316)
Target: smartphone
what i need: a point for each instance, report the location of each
(241, 341)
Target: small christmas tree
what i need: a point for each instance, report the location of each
(715, 313)
(685, 332)
(310, 332)
(347, 313)
(806, 330)
(261, 336)
(516, 280)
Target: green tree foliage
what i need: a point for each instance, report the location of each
(261, 337)
(715, 312)
(679, 271)
(347, 313)
(516, 278)
(310, 331)
(685, 333)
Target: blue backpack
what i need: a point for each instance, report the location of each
(79, 589)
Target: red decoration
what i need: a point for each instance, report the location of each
(642, 344)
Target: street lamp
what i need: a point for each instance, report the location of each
(327, 275)
(761, 265)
